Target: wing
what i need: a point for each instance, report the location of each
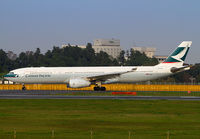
(104, 77)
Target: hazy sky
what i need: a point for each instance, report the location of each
(28, 24)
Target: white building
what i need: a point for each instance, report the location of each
(110, 46)
(11, 55)
(147, 50)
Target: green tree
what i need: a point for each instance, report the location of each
(140, 59)
(5, 63)
(121, 58)
(103, 59)
(89, 54)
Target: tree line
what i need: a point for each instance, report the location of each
(74, 56)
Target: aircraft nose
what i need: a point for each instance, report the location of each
(6, 76)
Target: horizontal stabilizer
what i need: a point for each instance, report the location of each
(176, 70)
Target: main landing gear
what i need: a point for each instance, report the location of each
(98, 87)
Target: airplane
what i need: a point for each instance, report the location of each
(78, 77)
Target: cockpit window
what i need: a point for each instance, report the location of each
(11, 73)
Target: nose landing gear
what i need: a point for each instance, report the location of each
(23, 87)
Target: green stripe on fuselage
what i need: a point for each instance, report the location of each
(10, 75)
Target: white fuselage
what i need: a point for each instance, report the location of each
(64, 74)
(76, 77)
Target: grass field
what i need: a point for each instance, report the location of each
(107, 119)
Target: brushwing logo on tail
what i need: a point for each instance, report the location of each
(178, 55)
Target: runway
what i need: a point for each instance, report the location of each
(15, 94)
(97, 97)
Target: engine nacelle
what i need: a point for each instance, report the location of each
(78, 83)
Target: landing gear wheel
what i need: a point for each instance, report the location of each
(103, 89)
(96, 88)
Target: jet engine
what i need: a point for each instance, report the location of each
(78, 83)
